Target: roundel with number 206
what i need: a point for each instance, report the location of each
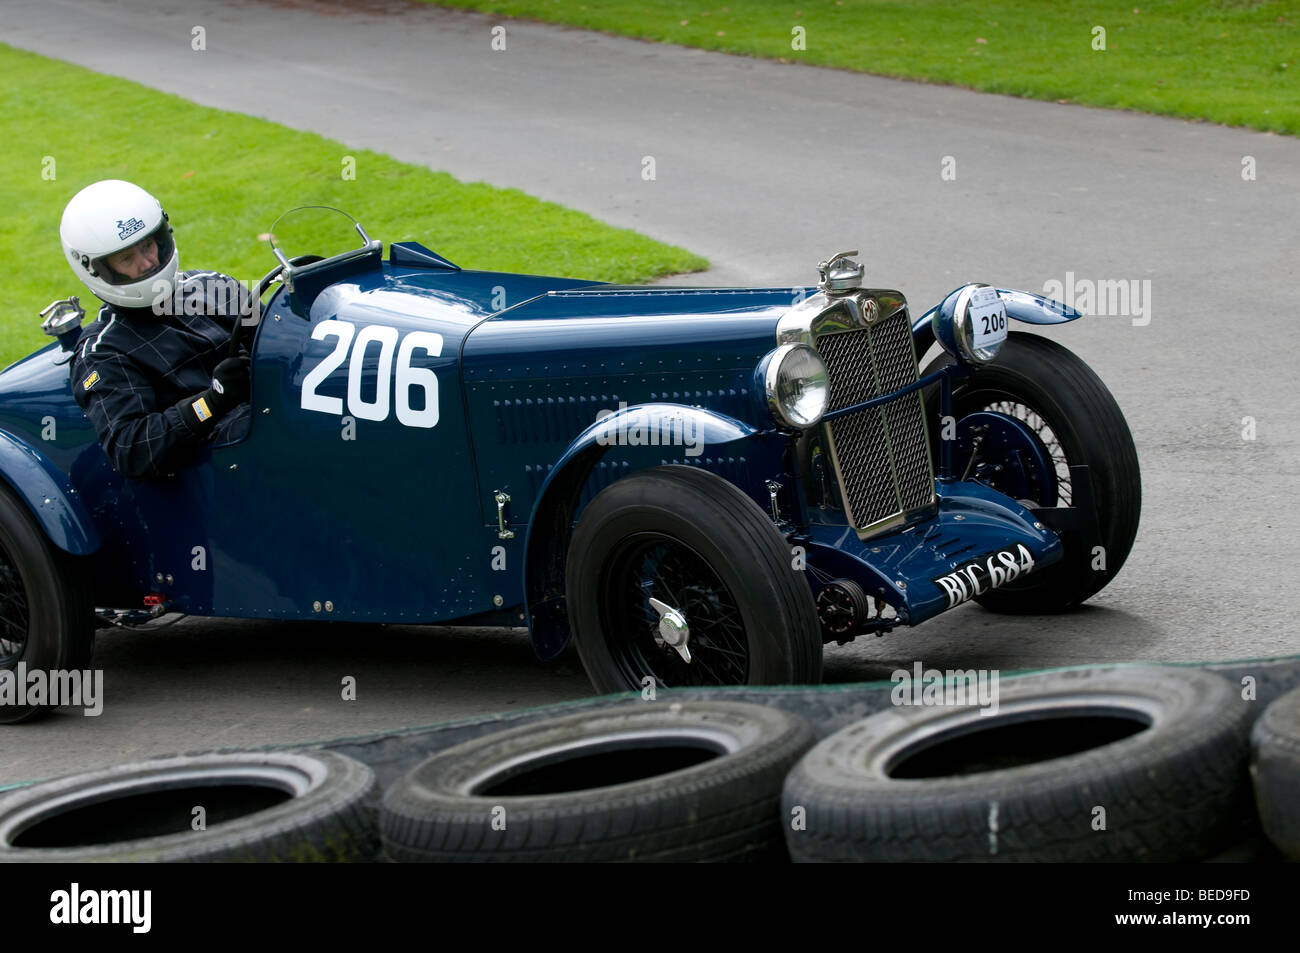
(402, 387)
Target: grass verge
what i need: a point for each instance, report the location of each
(224, 177)
(1227, 61)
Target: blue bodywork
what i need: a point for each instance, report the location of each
(331, 513)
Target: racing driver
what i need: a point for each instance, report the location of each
(152, 371)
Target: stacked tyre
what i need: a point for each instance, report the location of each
(1275, 770)
(689, 781)
(239, 806)
(1127, 764)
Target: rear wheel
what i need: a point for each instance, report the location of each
(677, 576)
(1074, 422)
(46, 616)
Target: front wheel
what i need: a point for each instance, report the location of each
(676, 576)
(1077, 423)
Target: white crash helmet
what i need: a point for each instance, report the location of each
(105, 218)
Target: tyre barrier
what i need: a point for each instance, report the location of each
(1275, 772)
(687, 781)
(1135, 764)
(1135, 736)
(246, 806)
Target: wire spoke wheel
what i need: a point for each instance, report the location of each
(14, 617)
(1011, 407)
(654, 565)
(998, 402)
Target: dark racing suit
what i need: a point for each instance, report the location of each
(133, 367)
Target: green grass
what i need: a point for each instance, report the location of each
(1228, 61)
(225, 177)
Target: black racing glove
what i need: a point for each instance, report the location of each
(229, 389)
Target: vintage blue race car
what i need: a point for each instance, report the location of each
(697, 486)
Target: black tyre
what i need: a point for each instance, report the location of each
(257, 806)
(1275, 770)
(649, 781)
(694, 542)
(1129, 764)
(1079, 424)
(47, 619)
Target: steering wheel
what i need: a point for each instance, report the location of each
(233, 350)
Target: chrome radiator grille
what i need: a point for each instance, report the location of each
(882, 455)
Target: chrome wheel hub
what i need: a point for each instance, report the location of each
(673, 628)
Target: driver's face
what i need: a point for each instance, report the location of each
(136, 261)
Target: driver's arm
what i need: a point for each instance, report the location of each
(141, 438)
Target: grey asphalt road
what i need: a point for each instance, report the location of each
(765, 168)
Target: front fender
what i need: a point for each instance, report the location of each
(546, 546)
(49, 495)
(1022, 305)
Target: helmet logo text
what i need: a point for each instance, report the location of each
(129, 227)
